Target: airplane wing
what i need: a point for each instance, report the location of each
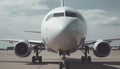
(32, 42)
(106, 40)
(23, 48)
(18, 40)
(33, 31)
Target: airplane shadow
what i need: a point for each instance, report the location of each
(29, 62)
(43, 63)
(94, 65)
(77, 64)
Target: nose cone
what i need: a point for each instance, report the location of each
(61, 35)
(60, 26)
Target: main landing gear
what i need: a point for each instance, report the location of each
(85, 58)
(37, 57)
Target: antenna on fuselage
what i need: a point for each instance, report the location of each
(62, 3)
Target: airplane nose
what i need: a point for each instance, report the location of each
(62, 35)
(57, 27)
(65, 26)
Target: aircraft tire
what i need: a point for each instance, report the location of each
(89, 59)
(67, 65)
(82, 59)
(40, 59)
(60, 66)
(33, 59)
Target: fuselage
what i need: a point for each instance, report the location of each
(63, 28)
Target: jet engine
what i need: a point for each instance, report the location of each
(101, 48)
(23, 49)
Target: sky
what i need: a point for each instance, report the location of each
(17, 16)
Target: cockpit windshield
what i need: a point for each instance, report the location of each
(70, 14)
(61, 14)
(66, 14)
(58, 14)
(73, 14)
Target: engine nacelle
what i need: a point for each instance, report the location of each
(101, 49)
(23, 49)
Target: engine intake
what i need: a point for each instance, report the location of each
(23, 49)
(101, 49)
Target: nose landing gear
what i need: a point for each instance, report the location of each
(65, 63)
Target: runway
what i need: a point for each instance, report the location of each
(8, 60)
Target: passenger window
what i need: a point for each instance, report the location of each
(70, 14)
(58, 14)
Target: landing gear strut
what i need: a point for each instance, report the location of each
(85, 58)
(65, 62)
(37, 57)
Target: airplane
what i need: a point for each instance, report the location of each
(63, 31)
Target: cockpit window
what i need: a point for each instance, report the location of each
(73, 14)
(58, 14)
(80, 16)
(70, 14)
(55, 15)
(49, 17)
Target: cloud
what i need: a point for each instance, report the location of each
(100, 17)
(21, 15)
(21, 7)
(12, 11)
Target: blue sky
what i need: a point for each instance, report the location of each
(102, 17)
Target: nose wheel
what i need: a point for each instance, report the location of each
(65, 64)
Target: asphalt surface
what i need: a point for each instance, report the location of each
(8, 60)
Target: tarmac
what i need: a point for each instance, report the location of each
(8, 60)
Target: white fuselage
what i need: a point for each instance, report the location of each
(63, 28)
